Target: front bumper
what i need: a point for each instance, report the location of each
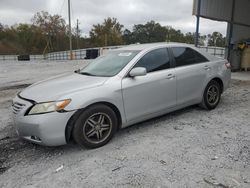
(44, 129)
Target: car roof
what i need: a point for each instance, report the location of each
(148, 46)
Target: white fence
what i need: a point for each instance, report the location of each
(65, 55)
(14, 57)
(81, 53)
(77, 54)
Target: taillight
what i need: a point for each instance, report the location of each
(228, 65)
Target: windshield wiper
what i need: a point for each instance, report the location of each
(86, 73)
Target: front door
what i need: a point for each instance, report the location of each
(154, 92)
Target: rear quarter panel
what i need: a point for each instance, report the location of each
(219, 70)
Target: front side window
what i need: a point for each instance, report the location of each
(110, 64)
(155, 60)
(187, 56)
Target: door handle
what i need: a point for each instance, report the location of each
(170, 76)
(207, 67)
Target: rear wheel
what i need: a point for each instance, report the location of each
(95, 126)
(212, 95)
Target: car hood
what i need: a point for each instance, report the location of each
(55, 87)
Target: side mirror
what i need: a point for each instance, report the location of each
(77, 71)
(138, 71)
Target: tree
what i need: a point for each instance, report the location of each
(25, 36)
(189, 38)
(50, 32)
(1, 31)
(174, 35)
(203, 40)
(107, 34)
(22, 39)
(216, 39)
(50, 24)
(128, 37)
(154, 32)
(146, 33)
(54, 28)
(1, 27)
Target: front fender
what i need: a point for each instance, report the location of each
(85, 98)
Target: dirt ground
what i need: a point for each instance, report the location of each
(188, 148)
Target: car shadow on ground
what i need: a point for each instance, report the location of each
(13, 149)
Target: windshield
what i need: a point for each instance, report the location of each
(109, 64)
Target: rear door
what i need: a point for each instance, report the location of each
(192, 70)
(156, 91)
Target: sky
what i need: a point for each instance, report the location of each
(175, 13)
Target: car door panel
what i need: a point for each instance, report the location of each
(190, 83)
(149, 94)
(192, 70)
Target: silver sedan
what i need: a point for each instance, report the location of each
(123, 87)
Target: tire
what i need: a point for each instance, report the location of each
(211, 95)
(95, 126)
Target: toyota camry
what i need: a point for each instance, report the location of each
(123, 87)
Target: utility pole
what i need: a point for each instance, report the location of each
(106, 39)
(77, 33)
(197, 23)
(70, 35)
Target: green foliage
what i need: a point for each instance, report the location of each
(147, 33)
(53, 27)
(30, 38)
(49, 24)
(150, 32)
(189, 38)
(49, 33)
(109, 33)
(154, 32)
(216, 39)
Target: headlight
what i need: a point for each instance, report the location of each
(47, 107)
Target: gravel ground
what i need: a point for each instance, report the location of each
(188, 148)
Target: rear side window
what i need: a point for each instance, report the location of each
(187, 56)
(155, 60)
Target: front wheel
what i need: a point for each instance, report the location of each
(211, 96)
(95, 126)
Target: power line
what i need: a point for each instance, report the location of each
(60, 12)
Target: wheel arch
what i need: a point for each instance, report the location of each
(220, 82)
(74, 117)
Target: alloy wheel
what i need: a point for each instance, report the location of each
(213, 94)
(97, 128)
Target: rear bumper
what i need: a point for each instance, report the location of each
(44, 129)
(226, 79)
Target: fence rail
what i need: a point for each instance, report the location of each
(216, 51)
(81, 53)
(77, 54)
(65, 55)
(14, 57)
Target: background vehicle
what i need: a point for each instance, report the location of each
(126, 86)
